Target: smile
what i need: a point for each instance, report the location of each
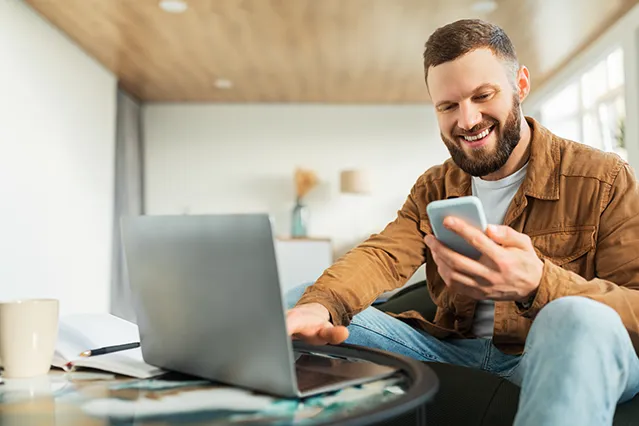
(479, 136)
(478, 139)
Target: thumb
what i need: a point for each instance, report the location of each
(507, 236)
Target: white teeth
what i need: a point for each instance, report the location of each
(479, 136)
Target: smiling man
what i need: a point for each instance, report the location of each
(553, 303)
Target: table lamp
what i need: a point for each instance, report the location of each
(355, 182)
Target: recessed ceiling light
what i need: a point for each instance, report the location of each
(173, 6)
(484, 6)
(223, 83)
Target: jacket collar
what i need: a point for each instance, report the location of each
(542, 176)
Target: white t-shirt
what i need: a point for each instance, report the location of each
(495, 196)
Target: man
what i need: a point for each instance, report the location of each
(553, 303)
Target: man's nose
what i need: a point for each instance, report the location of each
(470, 116)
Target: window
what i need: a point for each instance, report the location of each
(591, 108)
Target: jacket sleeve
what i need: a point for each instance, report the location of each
(383, 262)
(616, 259)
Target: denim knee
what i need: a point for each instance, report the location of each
(577, 318)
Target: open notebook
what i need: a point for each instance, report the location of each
(81, 332)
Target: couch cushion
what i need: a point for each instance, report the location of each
(627, 414)
(464, 398)
(504, 406)
(473, 397)
(413, 298)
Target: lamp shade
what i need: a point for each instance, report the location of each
(354, 182)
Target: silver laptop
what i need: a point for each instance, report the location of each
(208, 303)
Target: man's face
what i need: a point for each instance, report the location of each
(477, 110)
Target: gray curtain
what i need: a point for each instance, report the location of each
(129, 196)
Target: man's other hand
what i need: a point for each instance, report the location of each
(310, 322)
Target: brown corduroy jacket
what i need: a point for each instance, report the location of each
(579, 206)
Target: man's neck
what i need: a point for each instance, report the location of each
(519, 156)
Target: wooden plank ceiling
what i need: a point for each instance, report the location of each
(321, 51)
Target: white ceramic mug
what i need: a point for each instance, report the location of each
(28, 334)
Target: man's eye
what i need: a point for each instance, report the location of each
(483, 96)
(447, 107)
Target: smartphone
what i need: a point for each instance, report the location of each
(469, 209)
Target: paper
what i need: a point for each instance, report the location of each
(78, 333)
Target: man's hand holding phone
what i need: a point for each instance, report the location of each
(508, 268)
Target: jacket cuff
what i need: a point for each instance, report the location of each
(337, 312)
(551, 275)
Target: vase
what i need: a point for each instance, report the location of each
(299, 220)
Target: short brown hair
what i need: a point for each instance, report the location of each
(456, 39)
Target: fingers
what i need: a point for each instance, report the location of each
(309, 334)
(330, 334)
(469, 286)
(312, 339)
(302, 323)
(458, 262)
(461, 283)
(474, 237)
(334, 335)
(306, 317)
(508, 237)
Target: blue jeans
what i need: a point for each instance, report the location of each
(578, 361)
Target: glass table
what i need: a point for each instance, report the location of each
(96, 398)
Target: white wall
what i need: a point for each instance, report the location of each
(57, 130)
(206, 158)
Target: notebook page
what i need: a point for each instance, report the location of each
(81, 332)
(127, 363)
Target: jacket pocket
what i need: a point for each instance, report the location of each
(567, 248)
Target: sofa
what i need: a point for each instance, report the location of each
(473, 397)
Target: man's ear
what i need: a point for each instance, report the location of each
(523, 83)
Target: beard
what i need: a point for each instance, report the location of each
(482, 162)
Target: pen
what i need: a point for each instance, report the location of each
(110, 349)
